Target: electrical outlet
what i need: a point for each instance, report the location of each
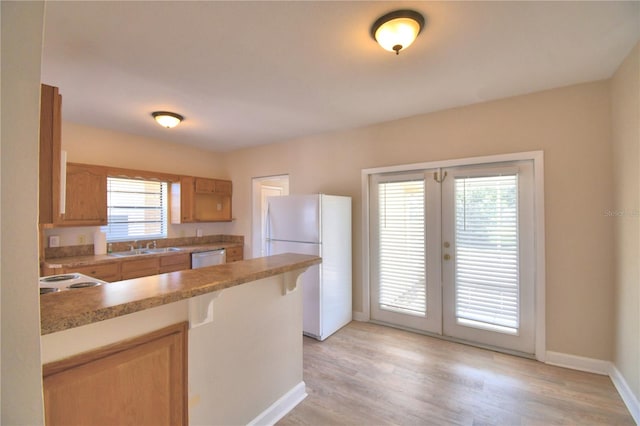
(219, 206)
(199, 232)
(82, 239)
(54, 240)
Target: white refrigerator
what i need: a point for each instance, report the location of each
(320, 225)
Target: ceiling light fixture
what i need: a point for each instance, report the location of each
(396, 30)
(167, 119)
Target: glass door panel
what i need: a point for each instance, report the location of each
(487, 271)
(407, 272)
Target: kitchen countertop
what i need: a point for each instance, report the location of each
(68, 309)
(72, 261)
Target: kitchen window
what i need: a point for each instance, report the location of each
(136, 209)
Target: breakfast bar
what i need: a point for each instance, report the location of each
(243, 358)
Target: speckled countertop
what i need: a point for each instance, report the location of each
(68, 309)
(72, 261)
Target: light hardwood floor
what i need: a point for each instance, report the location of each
(368, 374)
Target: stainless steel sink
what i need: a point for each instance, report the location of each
(139, 252)
(136, 252)
(161, 250)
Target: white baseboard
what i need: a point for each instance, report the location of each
(580, 363)
(630, 400)
(281, 407)
(359, 316)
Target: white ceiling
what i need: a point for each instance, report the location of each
(249, 73)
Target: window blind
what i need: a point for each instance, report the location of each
(402, 246)
(136, 209)
(486, 260)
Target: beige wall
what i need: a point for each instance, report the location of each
(625, 109)
(571, 125)
(91, 145)
(21, 369)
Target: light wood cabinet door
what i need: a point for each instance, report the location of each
(205, 186)
(103, 271)
(223, 187)
(86, 199)
(177, 262)
(197, 199)
(142, 381)
(140, 268)
(182, 194)
(50, 150)
(234, 254)
(186, 198)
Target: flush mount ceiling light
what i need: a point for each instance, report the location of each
(396, 30)
(167, 119)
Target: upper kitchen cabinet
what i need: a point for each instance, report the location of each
(197, 199)
(85, 203)
(86, 196)
(182, 200)
(50, 154)
(212, 186)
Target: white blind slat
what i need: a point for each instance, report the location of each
(402, 254)
(136, 209)
(486, 260)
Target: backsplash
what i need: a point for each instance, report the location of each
(87, 249)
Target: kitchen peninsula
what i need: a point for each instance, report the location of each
(244, 338)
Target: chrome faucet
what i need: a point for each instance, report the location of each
(152, 243)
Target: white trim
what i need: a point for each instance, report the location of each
(281, 407)
(575, 362)
(256, 212)
(501, 158)
(538, 164)
(540, 267)
(630, 400)
(366, 307)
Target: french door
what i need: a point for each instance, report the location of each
(452, 253)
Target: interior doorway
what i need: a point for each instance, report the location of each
(263, 187)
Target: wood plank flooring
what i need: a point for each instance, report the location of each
(368, 374)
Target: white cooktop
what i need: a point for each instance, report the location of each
(70, 281)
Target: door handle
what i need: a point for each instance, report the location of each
(447, 257)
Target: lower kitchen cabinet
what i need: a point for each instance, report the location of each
(140, 268)
(178, 262)
(109, 272)
(234, 254)
(141, 381)
(126, 269)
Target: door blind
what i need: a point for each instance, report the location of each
(486, 252)
(402, 246)
(136, 209)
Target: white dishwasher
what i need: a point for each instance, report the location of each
(208, 258)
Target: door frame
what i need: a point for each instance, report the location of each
(537, 157)
(257, 219)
